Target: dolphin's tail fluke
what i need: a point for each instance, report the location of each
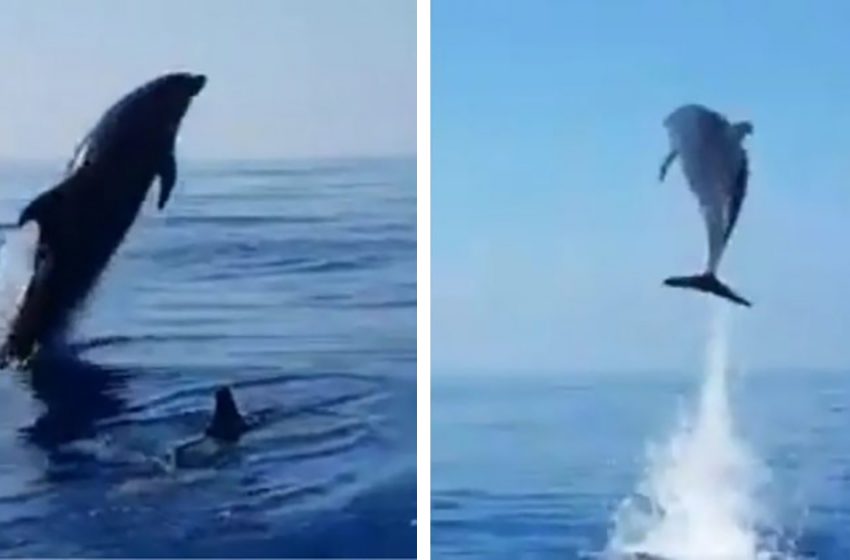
(227, 424)
(706, 282)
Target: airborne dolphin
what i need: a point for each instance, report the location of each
(83, 219)
(716, 167)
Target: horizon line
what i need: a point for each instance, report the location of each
(583, 373)
(233, 159)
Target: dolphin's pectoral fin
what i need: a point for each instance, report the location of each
(665, 165)
(167, 179)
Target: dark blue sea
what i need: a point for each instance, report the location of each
(540, 466)
(292, 282)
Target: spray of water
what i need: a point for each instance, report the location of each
(698, 500)
(17, 263)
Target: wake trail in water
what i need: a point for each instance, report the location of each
(699, 498)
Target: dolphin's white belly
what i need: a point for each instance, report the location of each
(17, 266)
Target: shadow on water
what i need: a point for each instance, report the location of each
(76, 395)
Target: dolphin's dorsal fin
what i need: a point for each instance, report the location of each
(39, 209)
(738, 192)
(46, 211)
(227, 424)
(167, 179)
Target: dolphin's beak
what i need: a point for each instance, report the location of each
(197, 83)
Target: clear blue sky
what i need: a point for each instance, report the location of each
(287, 77)
(551, 234)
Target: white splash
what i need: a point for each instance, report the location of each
(699, 498)
(17, 264)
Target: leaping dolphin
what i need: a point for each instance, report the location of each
(83, 219)
(716, 167)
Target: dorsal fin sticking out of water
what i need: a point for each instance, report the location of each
(227, 424)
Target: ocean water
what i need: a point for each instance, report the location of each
(711, 464)
(292, 282)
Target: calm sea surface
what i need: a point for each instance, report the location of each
(292, 282)
(535, 466)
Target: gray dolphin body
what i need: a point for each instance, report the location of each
(716, 167)
(84, 218)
